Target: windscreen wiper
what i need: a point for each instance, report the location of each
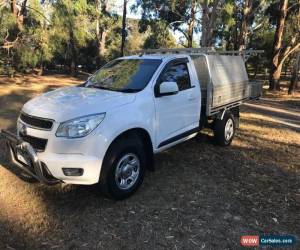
(129, 90)
(100, 87)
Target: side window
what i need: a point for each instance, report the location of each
(178, 73)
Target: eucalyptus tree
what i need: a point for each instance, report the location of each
(178, 15)
(210, 9)
(71, 28)
(285, 15)
(239, 20)
(159, 37)
(124, 26)
(23, 35)
(295, 74)
(104, 22)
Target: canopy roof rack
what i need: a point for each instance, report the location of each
(204, 50)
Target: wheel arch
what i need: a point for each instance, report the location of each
(146, 140)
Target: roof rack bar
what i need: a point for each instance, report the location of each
(204, 50)
(175, 50)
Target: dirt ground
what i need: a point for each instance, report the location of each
(201, 196)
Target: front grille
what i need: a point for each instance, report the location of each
(39, 144)
(36, 122)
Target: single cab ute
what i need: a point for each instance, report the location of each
(107, 129)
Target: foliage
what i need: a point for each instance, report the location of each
(160, 36)
(70, 28)
(27, 47)
(36, 47)
(173, 14)
(67, 33)
(135, 39)
(63, 33)
(8, 28)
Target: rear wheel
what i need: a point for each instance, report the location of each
(123, 168)
(224, 130)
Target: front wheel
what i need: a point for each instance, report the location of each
(224, 130)
(123, 168)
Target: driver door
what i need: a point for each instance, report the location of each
(176, 114)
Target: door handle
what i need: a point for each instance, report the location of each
(191, 97)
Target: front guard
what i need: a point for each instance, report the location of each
(33, 166)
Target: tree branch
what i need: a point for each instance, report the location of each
(170, 24)
(183, 32)
(9, 44)
(292, 6)
(2, 3)
(257, 27)
(182, 44)
(40, 13)
(289, 51)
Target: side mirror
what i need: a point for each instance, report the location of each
(168, 88)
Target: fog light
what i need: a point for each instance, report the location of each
(73, 171)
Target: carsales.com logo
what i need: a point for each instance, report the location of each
(268, 240)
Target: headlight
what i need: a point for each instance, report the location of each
(79, 127)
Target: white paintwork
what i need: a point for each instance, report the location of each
(168, 87)
(71, 102)
(178, 113)
(162, 117)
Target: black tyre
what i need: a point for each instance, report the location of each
(123, 168)
(224, 130)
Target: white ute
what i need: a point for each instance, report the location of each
(107, 129)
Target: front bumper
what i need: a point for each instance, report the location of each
(47, 167)
(31, 163)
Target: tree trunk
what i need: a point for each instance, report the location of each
(229, 40)
(73, 67)
(236, 35)
(295, 75)
(276, 65)
(73, 54)
(204, 26)
(102, 42)
(18, 12)
(244, 27)
(98, 8)
(285, 70)
(41, 70)
(13, 7)
(15, 12)
(276, 77)
(124, 27)
(100, 33)
(255, 70)
(191, 25)
(209, 16)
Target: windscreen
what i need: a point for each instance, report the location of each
(124, 75)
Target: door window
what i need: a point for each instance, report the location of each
(178, 73)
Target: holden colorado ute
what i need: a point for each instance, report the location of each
(107, 129)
